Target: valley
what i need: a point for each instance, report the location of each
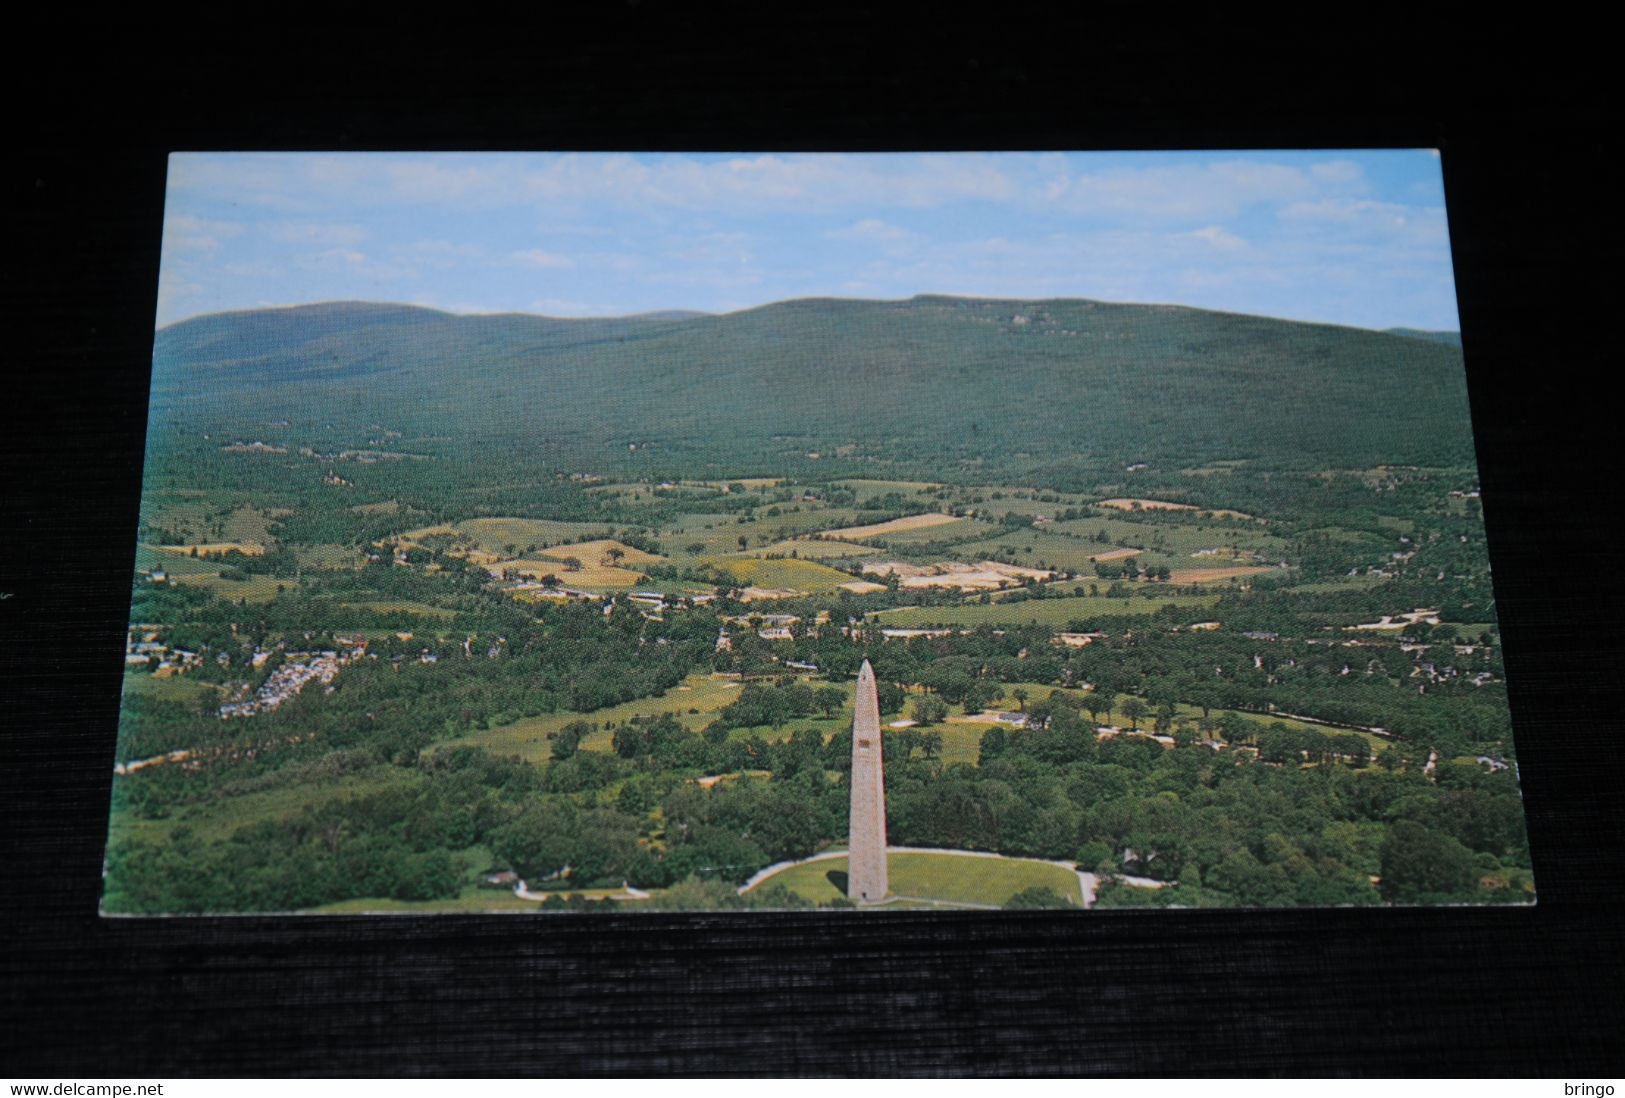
(580, 602)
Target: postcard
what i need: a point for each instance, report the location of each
(526, 533)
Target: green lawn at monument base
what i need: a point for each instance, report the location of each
(966, 878)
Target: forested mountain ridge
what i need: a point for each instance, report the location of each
(1012, 386)
(1448, 337)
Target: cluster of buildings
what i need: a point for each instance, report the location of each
(770, 627)
(298, 670)
(142, 647)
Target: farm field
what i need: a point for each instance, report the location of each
(1042, 549)
(884, 530)
(148, 557)
(495, 535)
(759, 532)
(402, 606)
(328, 556)
(959, 531)
(527, 738)
(1059, 612)
(906, 487)
(817, 549)
(782, 574)
(1176, 540)
(1216, 575)
(246, 548)
(1018, 501)
(1121, 504)
(170, 688)
(602, 551)
(254, 589)
(961, 743)
(590, 564)
(212, 519)
(689, 521)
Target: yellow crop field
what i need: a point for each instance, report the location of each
(493, 536)
(895, 526)
(1164, 505)
(254, 589)
(246, 548)
(1146, 505)
(588, 575)
(601, 552)
(816, 549)
(1210, 575)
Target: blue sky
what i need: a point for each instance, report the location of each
(1348, 237)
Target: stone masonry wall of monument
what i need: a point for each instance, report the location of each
(866, 876)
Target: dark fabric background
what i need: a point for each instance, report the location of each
(1518, 109)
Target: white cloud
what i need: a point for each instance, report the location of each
(1337, 171)
(433, 181)
(313, 232)
(1218, 237)
(875, 230)
(182, 232)
(1365, 219)
(536, 257)
(248, 269)
(358, 264)
(176, 297)
(447, 250)
(1200, 192)
(765, 182)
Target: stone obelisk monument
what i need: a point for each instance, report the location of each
(866, 868)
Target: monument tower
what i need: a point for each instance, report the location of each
(866, 858)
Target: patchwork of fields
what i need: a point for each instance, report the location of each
(777, 548)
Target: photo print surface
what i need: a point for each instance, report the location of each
(863, 533)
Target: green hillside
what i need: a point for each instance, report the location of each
(933, 386)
